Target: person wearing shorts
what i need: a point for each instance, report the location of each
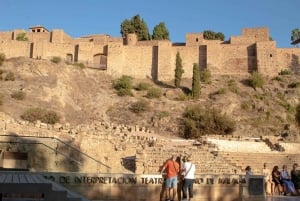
(172, 169)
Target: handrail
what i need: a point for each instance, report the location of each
(78, 162)
(58, 140)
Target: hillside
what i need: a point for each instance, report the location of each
(86, 95)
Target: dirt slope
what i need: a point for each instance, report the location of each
(86, 95)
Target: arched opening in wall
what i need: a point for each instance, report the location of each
(69, 58)
(271, 55)
(100, 61)
(197, 39)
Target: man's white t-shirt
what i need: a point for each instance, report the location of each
(189, 171)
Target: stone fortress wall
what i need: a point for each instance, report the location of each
(251, 51)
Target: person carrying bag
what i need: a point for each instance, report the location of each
(172, 169)
(188, 173)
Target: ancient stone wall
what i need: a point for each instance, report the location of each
(116, 58)
(252, 51)
(15, 48)
(194, 39)
(6, 36)
(259, 33)
(288, 58)
(238, 59)
(99, 147)
(165, 62)
(107, 148)
(43, 36)
(138, 61)
(45, 50)
(189, 56)
(214, 60)
(267, 62)
(251, 36)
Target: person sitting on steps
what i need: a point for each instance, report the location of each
(276, 178)
(269, 184)
(295, 177)
(289, 188)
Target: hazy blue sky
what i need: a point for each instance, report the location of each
(84, 17)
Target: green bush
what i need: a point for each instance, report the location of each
(200, 121)
(50, 117)
(80, 65)
(233, 87)
(277, 78)
(182, 97)
(294, 85)
(140, 106)
(18, 95)
(287, 106)
(245, 106)
(123, 85)
(163, 114)
(56, 60)
(260, 96)
(142, 86)
(21, 37)
(124, 92)
(125, 82)
(280, 95)
(45, 116)
(256, 80)
(221, 91)
(285, 72)
(10, 76)
(205, 76)
(154, 92)
(2, 58)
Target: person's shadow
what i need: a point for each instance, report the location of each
(163, 194)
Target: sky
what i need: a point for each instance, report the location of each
(85, 17)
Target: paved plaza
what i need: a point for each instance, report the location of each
(283, 198)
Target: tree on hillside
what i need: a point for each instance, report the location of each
(160, 32)
(196, 82)
(135, 25)
(126, 27)
(178, 70)
(295, 34)
(21, 37)
(2, 58)
(211, 35)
